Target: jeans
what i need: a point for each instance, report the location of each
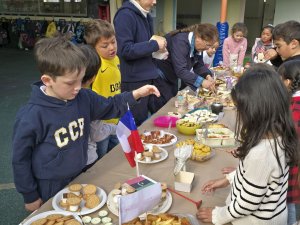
(106, 145)
(291, 213)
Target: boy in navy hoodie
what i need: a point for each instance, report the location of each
(51, 131)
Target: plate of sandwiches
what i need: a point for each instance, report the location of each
(159, 138)
(54, 217)
(152, 154)
(112, 202)
(79, 199)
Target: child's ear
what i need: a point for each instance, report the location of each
(46, 79)
(294, 44)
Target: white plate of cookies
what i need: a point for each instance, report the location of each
(79, 199)
(152, 154)
(54, 217)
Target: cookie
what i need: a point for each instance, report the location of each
(63, 204)
(72, 222)
(89, 189)
(92, 201)
(72, 195)
(40, 222)
(50, 222)
(54, 216)
(65, 218)
(75, 187)
(59, 223)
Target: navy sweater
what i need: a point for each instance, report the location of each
(50, 136)
(133, 32)
(180, 62)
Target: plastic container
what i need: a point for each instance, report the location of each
(164, 121)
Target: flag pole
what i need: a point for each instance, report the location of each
(137, 164)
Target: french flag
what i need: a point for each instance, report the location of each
(129, 137)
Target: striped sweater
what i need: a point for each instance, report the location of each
(258, 189)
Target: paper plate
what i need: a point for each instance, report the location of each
(100, 192)
(45, 214)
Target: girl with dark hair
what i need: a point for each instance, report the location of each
(185, 60)
(290, 74)
(268, 145)
(262, 44)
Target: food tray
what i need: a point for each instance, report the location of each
(216, 137)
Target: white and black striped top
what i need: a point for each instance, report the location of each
(258, 189)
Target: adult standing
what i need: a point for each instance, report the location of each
(134, 29)
(185, 60)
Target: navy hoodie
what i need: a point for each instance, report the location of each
(51, 136)
(133, 32)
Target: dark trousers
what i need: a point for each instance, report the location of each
(150, 103)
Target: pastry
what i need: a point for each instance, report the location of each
(92, 201)
(72, 222)
(39, 222)
(75, 188)
(63, 204)
(50, 222)
(89, 189)
(163, 186)
(73, 204)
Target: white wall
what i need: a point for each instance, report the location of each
(286, 10)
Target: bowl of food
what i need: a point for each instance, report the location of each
(187, 127)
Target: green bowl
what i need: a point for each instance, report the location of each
(188, 128)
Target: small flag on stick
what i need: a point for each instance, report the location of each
(129, 137)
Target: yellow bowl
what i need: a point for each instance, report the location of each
(186, 127)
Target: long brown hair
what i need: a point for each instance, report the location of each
(205, 31)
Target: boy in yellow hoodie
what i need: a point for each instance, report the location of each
(101, 35)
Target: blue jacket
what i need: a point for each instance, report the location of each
(133, 32)
(181, 60)
(50, 138)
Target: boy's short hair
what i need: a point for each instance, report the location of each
(56, 56)
(288, 31)
(94, 62)
(239, 27)
(97, 29)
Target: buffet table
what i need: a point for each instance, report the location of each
(114, 168)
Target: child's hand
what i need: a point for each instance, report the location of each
(145, 91)
(208, 84)
(33, 205)
(270, 54)
(212, 185)
(205, 214)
